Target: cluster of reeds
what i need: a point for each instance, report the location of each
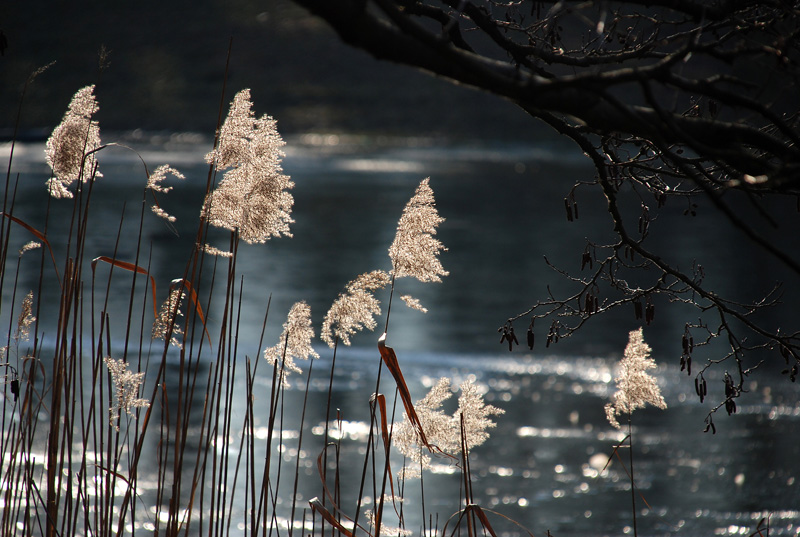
(135, 432)
(107, 434)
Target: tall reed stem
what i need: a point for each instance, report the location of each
(633, 486)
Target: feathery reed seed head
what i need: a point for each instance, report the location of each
(635, 387)
(76, 137)
(442, 430)
(25, 319)
(354, 309)
(161, 213)
(475, 413)
(28, 246)
(413, 303)
(154, 183)
(252, 197)
(295, 341)
(414, 250)
(126, 386)
(386, 531)
(168, 316)
(211, 250)
(436, 424)
(159, 175)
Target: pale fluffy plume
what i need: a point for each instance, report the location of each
(295, 341)
(161, 213)
(126, 386)
(76, 137)
(25, 319)
(168, 315)
(436, 424)
(442, 430)
(355, 309)
(413, 303)
(211, 250)
(386, 531)
(160, 175)
(476, 414)
(635, 388)
(415, 249)
(28, 246)
(252, 197)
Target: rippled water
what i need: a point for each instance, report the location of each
(545, 463)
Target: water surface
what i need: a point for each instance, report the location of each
(544, 463)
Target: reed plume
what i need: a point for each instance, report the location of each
(386, 531)
(414, 251)
(25, 319)
(28, 246)
(252, 197)
(213, 250)
(166, 323)
(126, 387)
(70, 149)
(442, 430)
(476, 414)
(159, 175)
(635, 387)
(354, 309)
(413, 303)
(154, 183)
(294, 343)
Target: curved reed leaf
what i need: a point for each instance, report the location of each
(317, 507)
(131, 267)
(390, 359)
(39, 235)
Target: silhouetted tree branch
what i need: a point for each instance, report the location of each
(669, 99)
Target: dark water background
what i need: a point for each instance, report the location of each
(503, 205)
(499, 182)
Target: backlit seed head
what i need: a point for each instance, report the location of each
(70, 150)
(635, 387)
(414, 250)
